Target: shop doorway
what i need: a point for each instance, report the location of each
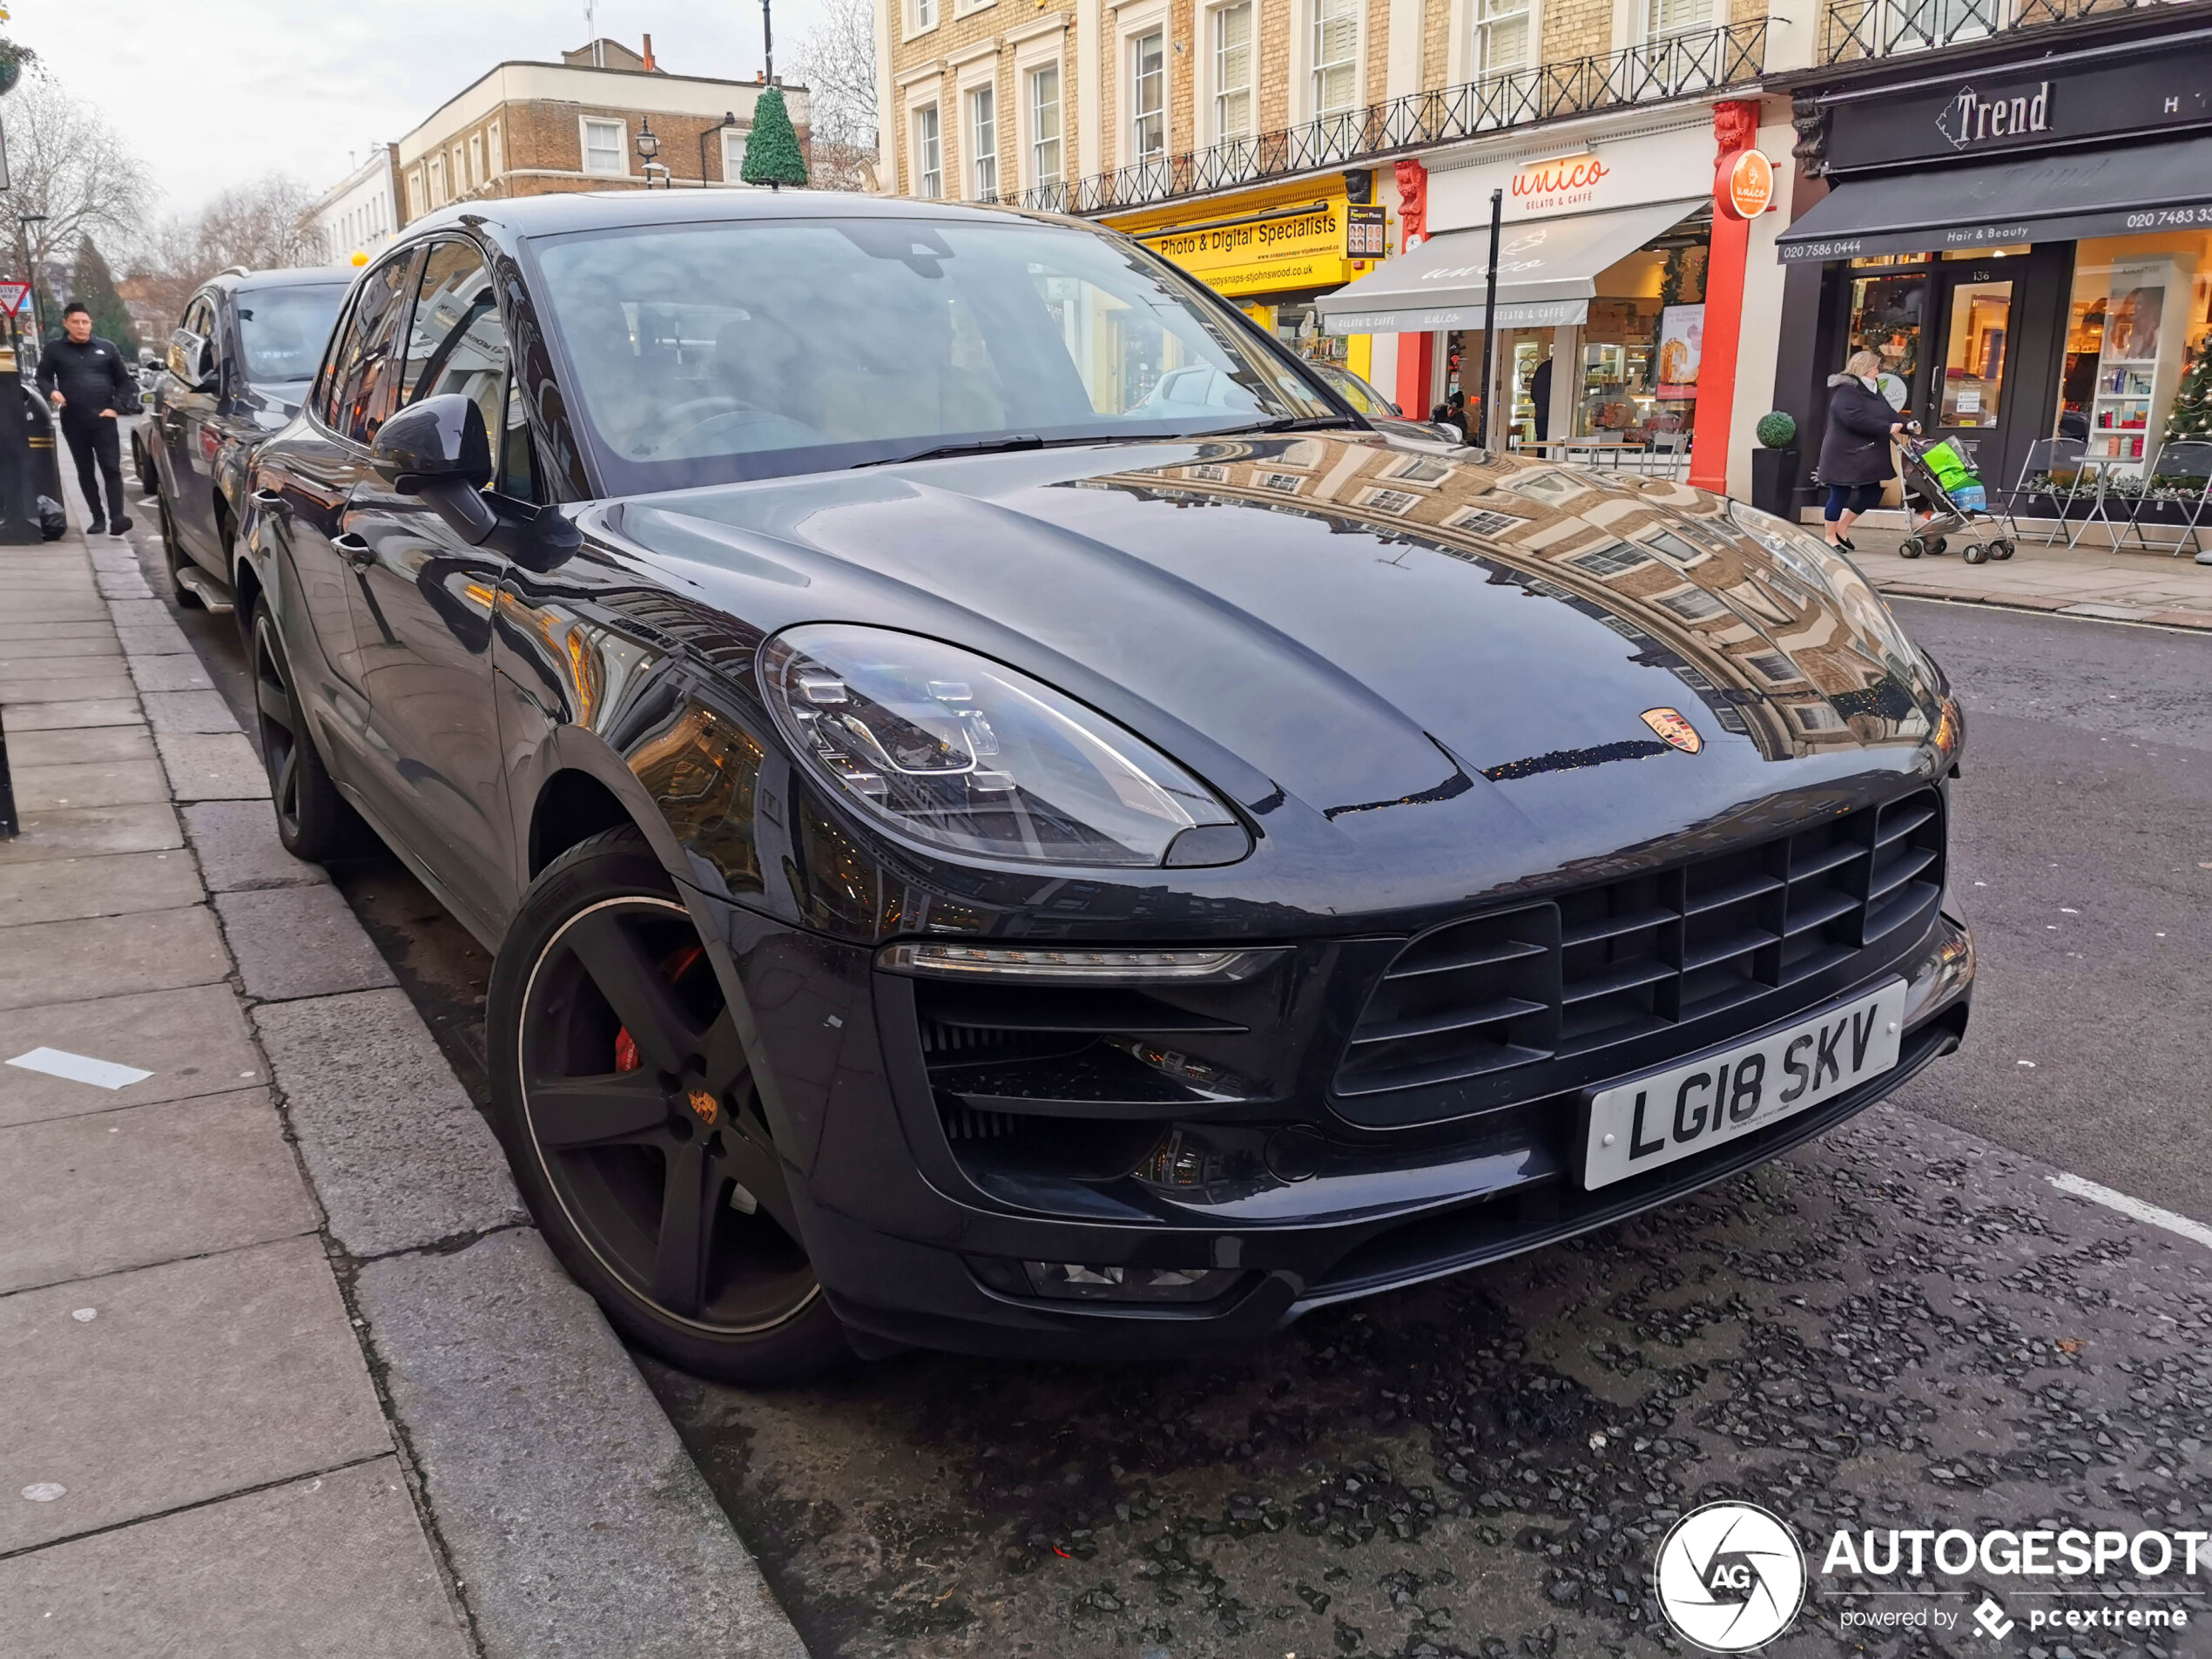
(1965, 395)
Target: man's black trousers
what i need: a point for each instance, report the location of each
(96, 438)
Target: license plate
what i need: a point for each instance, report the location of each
(1702, 1103)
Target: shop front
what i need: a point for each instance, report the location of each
(1276, 252)
(2026, 243)
(1603, 258)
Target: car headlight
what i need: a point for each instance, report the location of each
(948, 748)
(1813, 561)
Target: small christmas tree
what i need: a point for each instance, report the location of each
(2191, 417)
(772, 153)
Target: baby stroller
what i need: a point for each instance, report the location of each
(1951, 498)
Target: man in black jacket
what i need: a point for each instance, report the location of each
(85, 378)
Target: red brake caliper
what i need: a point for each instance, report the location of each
(626, 1055)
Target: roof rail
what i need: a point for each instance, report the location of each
(233, 270)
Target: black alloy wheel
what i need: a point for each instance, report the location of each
(312, 819)
(630, 1111)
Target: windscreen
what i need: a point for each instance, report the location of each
(752, 349)
(284, 330)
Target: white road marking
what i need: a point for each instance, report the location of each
(83, 1069)
(2126, 1206)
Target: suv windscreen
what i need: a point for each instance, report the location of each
(283, 331)
(707, 353)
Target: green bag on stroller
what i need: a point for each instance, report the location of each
(1959, 481)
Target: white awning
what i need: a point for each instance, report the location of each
(1547, 274)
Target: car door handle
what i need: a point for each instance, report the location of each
(358, 552)
(269, 497)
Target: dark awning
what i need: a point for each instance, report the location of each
(2055, 198)
(1547, 274)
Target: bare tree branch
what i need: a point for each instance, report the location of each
(836, 58)
(261, 227)
(67, 165)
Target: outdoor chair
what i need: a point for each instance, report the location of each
(2049, 458)
(2187, 464)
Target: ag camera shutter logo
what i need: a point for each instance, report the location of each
(1730, 1577)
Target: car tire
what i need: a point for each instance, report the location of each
(312, 818)
(648, 1161)
(173, 555)
(142, 462)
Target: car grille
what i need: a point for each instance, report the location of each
(1479, 999)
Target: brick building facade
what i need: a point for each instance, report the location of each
(535, 129)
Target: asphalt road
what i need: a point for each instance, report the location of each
(1904, 1325)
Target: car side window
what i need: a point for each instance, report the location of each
(456, 342)
(325, 402)
(367, 370)
(517, 457)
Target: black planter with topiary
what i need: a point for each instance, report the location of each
(1774, 466)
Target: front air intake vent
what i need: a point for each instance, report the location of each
(1476, 1003)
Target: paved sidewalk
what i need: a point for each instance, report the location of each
(2090, 580)
(285, 1369)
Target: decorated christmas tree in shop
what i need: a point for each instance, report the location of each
(2191, 417)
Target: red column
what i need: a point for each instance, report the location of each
(1735, 126)
(1416, 375)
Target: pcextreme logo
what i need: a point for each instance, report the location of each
(1730, 1577)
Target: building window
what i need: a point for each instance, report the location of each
(1148, 96)
(983, 142)
(437, 181)
(1232, 71)
(602, 149)
(1482, 520)
(1400, 502)
(1500, 42)
(494, 158)
(1044, 124)
(1336, 55)
(1693, 604)
(417, 203)
(476, 157)
(1609, 559)
(925, 15)
(733, 143)
(1665, 18)
(462, 178)
(929, 154)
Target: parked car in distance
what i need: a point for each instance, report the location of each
(148, 373)
(979, 854)
(236, 370)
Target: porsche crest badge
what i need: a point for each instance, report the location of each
(704, 1105)
(1669, 724)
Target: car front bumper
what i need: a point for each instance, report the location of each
(914, 1251)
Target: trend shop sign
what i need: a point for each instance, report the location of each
(1297, 248)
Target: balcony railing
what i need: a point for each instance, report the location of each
(1676, 66)
(1853, 29)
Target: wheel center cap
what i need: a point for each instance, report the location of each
(704, 1106)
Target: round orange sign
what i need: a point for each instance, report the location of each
(1746, 184)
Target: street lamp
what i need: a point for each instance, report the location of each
(648, 143)
(729, 119)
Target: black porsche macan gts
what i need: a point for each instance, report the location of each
(1012, 819)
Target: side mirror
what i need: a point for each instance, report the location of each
(439, 450)
(439, 440)
(186, 352)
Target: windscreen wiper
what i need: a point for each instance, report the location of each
(1012, 441)
(1282, 423)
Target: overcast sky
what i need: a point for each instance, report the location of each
(216, 93)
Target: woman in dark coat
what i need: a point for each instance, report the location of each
(1855, 450)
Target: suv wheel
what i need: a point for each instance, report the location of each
(312, 819)
(628, 1107)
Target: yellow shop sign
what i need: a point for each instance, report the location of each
(1299, 244)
